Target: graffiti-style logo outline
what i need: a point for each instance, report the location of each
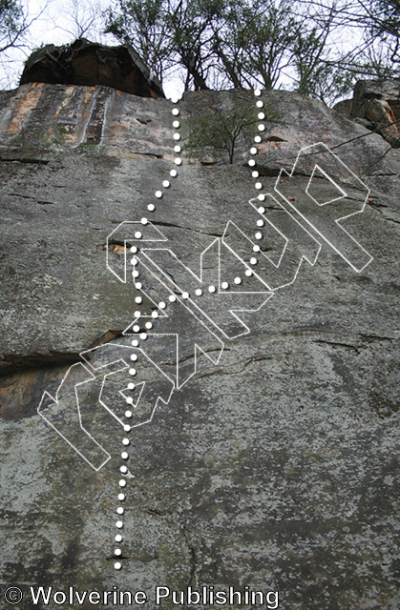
(304, 224)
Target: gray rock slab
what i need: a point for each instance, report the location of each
(275, 468)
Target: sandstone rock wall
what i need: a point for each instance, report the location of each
(376, 103)
(277, 467)
(87, 63)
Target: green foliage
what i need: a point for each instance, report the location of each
(321, 47)
(11, 14)
(11, 23)
(217, 132)
(60, 136)
(37, 145)
(262, 32)
(167, 33)
(91, 149)
(192, 27)
(318, 73)
(246, 42)
(41, 147)
(141, 23)
(384, 21)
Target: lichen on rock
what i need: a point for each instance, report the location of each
(277, 468)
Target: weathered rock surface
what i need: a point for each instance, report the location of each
(377, 102)
(276, 468)
(88, 63)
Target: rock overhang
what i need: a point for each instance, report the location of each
(89, 64)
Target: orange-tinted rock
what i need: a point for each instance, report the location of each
(378, 101)
(271, 469)
(381, 113)
(90, 64)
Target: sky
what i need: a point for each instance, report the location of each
(54, 22)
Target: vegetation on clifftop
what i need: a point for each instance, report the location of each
(316, 47)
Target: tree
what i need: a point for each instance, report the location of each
(192, 26)
(218, 131)
(272, 29)
(142, 24)
(253, 44)
(12, 23)
(82, 19)
(248, 42)
(382, 17)
(228, 43)
(319, 70)
(338, 44)
(322, 47)
(167, 33)
(15, 25)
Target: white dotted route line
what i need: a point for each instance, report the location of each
(142, 336)
(178, 161)
(258, 186)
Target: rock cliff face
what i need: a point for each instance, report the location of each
(276, 465)
(376, 103)
(87, 63)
